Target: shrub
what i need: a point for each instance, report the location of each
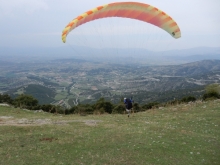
(49, 108)
(188, 99)
(213, 88)
(88, 110)
(212, 92)
(173, 102)
(5, 98)
(106, 105)
(78, 110)
(119, 109)
(71, 110)
(211, 95)
(99, 111)
(150, 105)
(82, 109)
(136, 107)
(25, 101)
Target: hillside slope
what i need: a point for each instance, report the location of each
(181, 134)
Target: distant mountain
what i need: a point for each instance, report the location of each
(194, 51)
(194, 68)
(5, 63)
(68, 60)
(111, 55)
(193, 58)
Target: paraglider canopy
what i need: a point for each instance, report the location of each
(133, 10)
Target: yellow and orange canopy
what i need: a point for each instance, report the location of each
(133, 10)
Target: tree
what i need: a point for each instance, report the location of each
(25, 101)
(5, 99)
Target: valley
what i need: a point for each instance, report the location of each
(69, 82)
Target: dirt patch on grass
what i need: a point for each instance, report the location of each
(48, 139)
(23, 121)
(91, 122)
(4, 105)
(6, 117)
(10, 121)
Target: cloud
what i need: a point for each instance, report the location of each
(15, 7)
(40, 22)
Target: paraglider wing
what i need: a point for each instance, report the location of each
(133, 10)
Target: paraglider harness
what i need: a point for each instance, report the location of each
(128, 103)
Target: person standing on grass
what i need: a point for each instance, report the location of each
(128, 105)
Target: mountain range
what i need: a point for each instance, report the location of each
(111, 55)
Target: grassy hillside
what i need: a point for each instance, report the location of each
(182, 134)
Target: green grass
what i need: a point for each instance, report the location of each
(182, 134)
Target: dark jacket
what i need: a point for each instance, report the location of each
(128, 103)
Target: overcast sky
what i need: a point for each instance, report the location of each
(39, 23)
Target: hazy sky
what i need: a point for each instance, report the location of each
(39, 23)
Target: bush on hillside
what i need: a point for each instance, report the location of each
(136, 107)
(188, 99)
(150, 105)
(70, 111)
(25, 101)
(102, 104)
(211, 95)
(173, 102)
(37, 107)
(119, 109)
(52, 108)
(59, 109)
(212, 92)
(213, 88)
(83, 109)
(5, 98)
(99, 111)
